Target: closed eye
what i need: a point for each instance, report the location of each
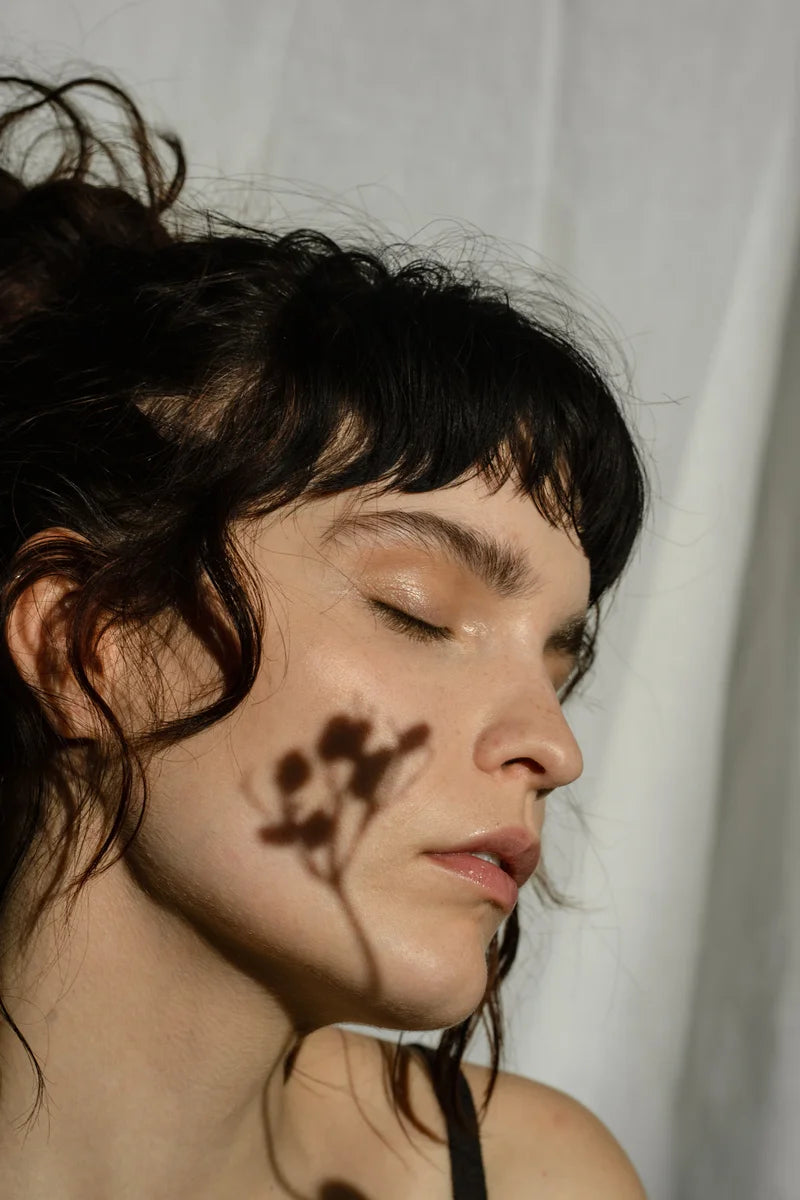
(415, 628)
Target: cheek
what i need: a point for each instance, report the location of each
(348, 725)
(263, 811)
(260, 834)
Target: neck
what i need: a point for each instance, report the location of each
(165, 1062)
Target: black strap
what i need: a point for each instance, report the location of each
(466, 1160)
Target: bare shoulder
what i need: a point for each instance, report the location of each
(538, 1141)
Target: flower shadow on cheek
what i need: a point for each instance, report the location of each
(343, 742)
(340, 754)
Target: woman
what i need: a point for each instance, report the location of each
(302, 550)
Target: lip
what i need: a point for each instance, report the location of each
(518, 852)
(496, 883)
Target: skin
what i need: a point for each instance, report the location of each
(278, 883)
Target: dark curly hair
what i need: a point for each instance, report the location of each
(166, 372)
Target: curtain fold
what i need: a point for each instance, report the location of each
(738, 1099)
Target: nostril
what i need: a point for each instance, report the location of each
(529, 764)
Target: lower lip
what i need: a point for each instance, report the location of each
(499, 886)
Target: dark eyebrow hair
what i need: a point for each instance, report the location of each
(503, 568)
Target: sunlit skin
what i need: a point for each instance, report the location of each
(278, 883)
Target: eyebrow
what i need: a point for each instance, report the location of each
(498, 564)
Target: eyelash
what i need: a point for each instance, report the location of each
(413, 627)
(421, 631)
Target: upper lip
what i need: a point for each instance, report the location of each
(517, 850)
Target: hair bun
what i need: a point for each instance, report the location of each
(51, 227)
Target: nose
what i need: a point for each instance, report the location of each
(529, 739)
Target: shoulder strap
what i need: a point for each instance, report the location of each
(466, 1159)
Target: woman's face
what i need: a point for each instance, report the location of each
(294, 833)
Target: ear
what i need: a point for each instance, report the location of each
(36, 632)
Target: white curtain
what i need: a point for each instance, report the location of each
(652, 152)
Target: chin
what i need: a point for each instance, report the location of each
(422, 989)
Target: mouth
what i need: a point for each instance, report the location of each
(483, 871)
(512, 850)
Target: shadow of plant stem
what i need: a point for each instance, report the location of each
(342, 743)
